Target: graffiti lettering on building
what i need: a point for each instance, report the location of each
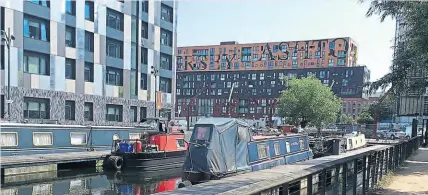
(270, 52)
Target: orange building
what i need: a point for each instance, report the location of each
(231, 56)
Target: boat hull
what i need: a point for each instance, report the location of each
(150, 161)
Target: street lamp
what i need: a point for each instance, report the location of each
(8, 38)
(155, 72)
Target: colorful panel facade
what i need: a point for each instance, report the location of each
(231, 56)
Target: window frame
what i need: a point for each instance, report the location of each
(43, 133)
(90, 5)
(91, 111)
(169, 14)
(91, 70)
(145, 6)
(144, 55)
(143, 77)
(169, 84)
(118, 19)
(259, 149)
(73, 68)
(40, 21)
(72, 30)
(39, 101)
(82, 133)
(89, 41)
(119, 108)
(40, 2)
(144, 29)
(73, 7)
(72, 110)
(166, 37)
(166, 65)
(16, 138)
(118, 50)
(118, 73)
(135, 117)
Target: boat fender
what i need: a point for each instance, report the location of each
(184, 184)
(117, 162)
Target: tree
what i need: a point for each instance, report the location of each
(346, 119)
(383, 110)
(412, 52)
(307, 100)
(364, 117)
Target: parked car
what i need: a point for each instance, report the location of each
(394, 134)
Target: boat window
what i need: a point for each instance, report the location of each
(8, 139)
(276, 147)
(78, 138)
(42, 138)
(77, 184)
(262, 150)
(180, 143)
(134, 135)
(202, 133)
(42, 189)
(287, 146)
(302, 144)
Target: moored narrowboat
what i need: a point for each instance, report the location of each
(150, 152)
(220, 147)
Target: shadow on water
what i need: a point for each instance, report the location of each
(91, 181)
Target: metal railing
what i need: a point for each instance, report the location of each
(361, 174)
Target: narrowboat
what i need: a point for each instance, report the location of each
(220, 147)
(153, 151)
(28, 139)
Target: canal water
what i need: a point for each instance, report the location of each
(91, 182)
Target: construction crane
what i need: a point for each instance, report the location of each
(192, 102)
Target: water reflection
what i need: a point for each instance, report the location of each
(94, 182)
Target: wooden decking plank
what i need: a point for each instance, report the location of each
(247, 182)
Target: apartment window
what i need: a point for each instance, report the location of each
(89, 111)
(144, 29)
(2, 105)
(145, 6)
(70, 110)
(143, 113)
(70, 69)
(36, 63)
(165, 85)
(114, 112)
(70, 7)
(114, 76)
(36, 108)
(114, 48)
(166, 61)
(133, 114)
(89, 10)
(133, 86)
(166, 37)
(143, 81)
(166, 13)
(89, 41)
(70, 36)
(89, 72)
(36, 28)
(114, 19)
(40, 2)
(144, 55)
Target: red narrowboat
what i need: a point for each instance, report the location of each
(156, 149)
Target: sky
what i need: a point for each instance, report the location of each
(208, 22)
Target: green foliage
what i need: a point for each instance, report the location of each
(412, 54)
(383, 110)
(347, 119)
(307, 100)
(365, 117)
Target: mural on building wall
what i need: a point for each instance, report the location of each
(262, 56)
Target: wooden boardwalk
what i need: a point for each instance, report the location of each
(44, 159)
(250, 183)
